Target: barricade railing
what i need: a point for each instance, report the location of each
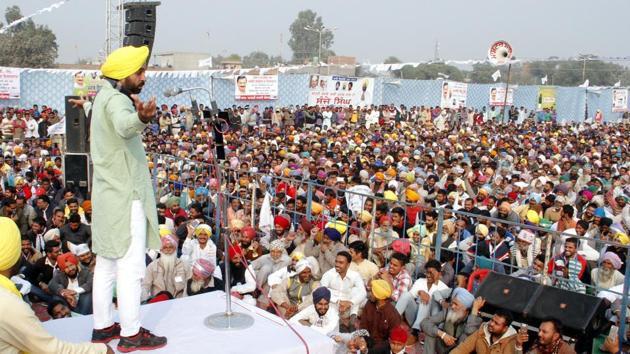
(287, 190)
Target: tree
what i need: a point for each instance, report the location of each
(305, 43)
(27, 44)
(392, 60)
(261, 60)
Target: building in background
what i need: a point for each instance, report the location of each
(178, 60)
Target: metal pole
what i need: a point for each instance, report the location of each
(253, 205)
(226, 250)
(438, 236)
(309, 201)
(507, 85)
(319, 53)
(372, 231)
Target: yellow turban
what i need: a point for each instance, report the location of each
(389, 195)
(533, 217)
(237, 224)
(365, 216)
(125, 61)
(338, 225)
(10, 243)
(411, 195)
(381, 289)
(203, 228)
(316, 208)
(164, 231)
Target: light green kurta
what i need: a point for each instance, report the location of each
(121, 174)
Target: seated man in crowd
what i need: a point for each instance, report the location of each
(202, 280)
(453, 324)
(40, 274)
(607, 275)
(366, 268)
(347, 289)
(294, 293)
(319, 315)
(415, 304)
(166, 275)
(379, 316)
(396, 275)
(29, 253)
(269, 263)
(326, 251)
(73, 284)
(58, 309)
(74, 233)
(242, 278)
(199, 245)
(494, 336)
(86, 257)
(549, 339)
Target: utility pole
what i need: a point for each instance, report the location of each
(436, 51)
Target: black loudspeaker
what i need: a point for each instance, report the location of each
(508, 293)
(76, 168)
(579, 314)
(77, 139)
(140, 18)
(218, 137)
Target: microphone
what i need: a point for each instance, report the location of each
(173, 92)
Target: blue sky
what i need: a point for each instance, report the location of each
(370, 30)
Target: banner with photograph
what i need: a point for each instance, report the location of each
(256, 87)
(453, 94)
(620, 100)
(497, 96)
(546, 97)
(9, 84)
(86, 83)
(340, 91)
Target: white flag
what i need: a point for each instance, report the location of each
(585, 84)
(617, 84)
(205, 62)
(496, 75)
(543, 79)
(266, 216)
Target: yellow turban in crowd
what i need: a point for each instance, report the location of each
(365, 216)
(381, 289)
(338, 225)
(389, 195)
(125, 61)
(411, 195)
(10, 243)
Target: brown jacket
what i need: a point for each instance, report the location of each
(479, 342)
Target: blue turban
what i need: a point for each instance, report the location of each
(599, 212)
(332, 234)
(464, 296)
(536, 197)
(321, 293)
(201, 191)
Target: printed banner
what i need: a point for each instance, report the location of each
(9, 84)
(620, 100)
(497, 96)
(86, 83)
(256, 87)
(546, 98)
(453, 94)
(340, 91)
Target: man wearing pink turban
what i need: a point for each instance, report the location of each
(166, 275)
(202, 280)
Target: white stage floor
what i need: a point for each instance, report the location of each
(181, 321)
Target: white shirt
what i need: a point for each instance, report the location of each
(421, 284)
(326, 325)
(191, 251)
(350, 288)
(31, 129)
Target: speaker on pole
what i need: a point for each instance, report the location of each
(77, 135)
(140, 19)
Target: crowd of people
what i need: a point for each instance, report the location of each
(374, 226)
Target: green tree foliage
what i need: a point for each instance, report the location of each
(392, 60)
(27, 44)
(304, 43)
(261, 60)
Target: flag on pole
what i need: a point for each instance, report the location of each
(496, 75)
(585, 84)
(205, 62)
(266, 216)
(617, 84)
(543, 80)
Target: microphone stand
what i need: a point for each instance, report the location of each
(227, 320)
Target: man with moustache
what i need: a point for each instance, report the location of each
(549, 339)
(452, 325)
(607, 275)
(167, 274)
(124, 216)
(319, 316)
(73, 284)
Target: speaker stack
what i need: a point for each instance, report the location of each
(140, 18)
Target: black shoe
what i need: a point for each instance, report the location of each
(106, 334)
(144, 340)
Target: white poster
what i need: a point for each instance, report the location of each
(497, 96)
(340, 91)
(256, 87)
(620, 100)
(9, 84)
(453, 94)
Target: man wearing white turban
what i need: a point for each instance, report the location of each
(294, 293)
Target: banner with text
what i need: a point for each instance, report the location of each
(86, 83)
(497, 96)
(9, 84)
(620, 100)
(340, 91)
(453, 94)
(256, 87)
(546, 98)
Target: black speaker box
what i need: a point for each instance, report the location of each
(77, 139)
(141, 14)
(140, 19)
(508, 293)
(146, 29)
(76, 169)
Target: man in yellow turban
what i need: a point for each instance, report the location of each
(379, 315)
(124, 216)
(21, 330)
